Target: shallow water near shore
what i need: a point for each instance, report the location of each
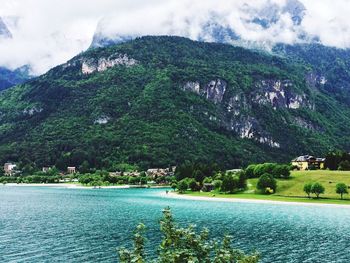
(49, 224)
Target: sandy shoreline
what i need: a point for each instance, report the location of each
(252, 201)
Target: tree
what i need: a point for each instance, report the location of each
(266, 181)
(217, 184)
(182, 186)
(281, 171)
(184, 245)
(198, 176)
(242, 180)
(84, 167)
(192, 184)
(344, 166)
(341, 189)
(173, 185)
(228, 184)
(317, 189)
(308, 189)
(250, 171)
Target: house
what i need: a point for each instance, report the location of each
(10, 169)
(308, 162)
(71, 170)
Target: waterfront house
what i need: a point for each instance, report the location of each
(10, 169)
(308, 162)
(71, 170)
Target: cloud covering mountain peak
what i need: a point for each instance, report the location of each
(50, 32)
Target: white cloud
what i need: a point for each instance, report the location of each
(50, 32)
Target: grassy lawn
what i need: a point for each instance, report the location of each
(291, 190)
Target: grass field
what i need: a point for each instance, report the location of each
(291, 190)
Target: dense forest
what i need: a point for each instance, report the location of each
(159, 101)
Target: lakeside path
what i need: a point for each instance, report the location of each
(243, 200)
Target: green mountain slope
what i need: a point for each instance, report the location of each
(158, 101)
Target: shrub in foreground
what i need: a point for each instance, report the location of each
(180, 245)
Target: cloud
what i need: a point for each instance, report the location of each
(49, 32)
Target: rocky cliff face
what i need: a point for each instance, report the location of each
(237, 107)
(279, 94)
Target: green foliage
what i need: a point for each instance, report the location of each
(173, 185)
(199, 171)
(277, 170)
(308, 189)
(341, 189)
(138, 253)
(217, 184)
(266, 181)
(192, 184)
(182, 185)
(229, 184)
(338, 160)
(317, 189)
(344, 165)
(181, 245)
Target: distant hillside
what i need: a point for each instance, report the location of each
(9, 78)
(158, 101)
(330, 67)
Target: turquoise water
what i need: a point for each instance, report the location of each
(42, 224)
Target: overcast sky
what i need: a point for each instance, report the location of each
(49, 32)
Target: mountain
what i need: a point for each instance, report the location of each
(8, 77)
(330, 67)
(4, 32)
(158, 101)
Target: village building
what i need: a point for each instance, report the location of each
(308, 162)
(159, 172)
(71, 170)
(10, 169)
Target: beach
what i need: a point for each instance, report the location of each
(242, 200)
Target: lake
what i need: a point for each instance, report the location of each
(48, 224)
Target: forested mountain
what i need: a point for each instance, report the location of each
(330, 67)
(158, 101)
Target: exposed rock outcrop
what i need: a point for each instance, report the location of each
(91, 65)
(214, 90)
(102, 120)
(279, 94)
(31, 111)
(249, 128)
(315, 80)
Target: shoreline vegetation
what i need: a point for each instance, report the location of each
(258, 198)
(288, 190)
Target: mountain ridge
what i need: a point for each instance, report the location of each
(159, 101)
